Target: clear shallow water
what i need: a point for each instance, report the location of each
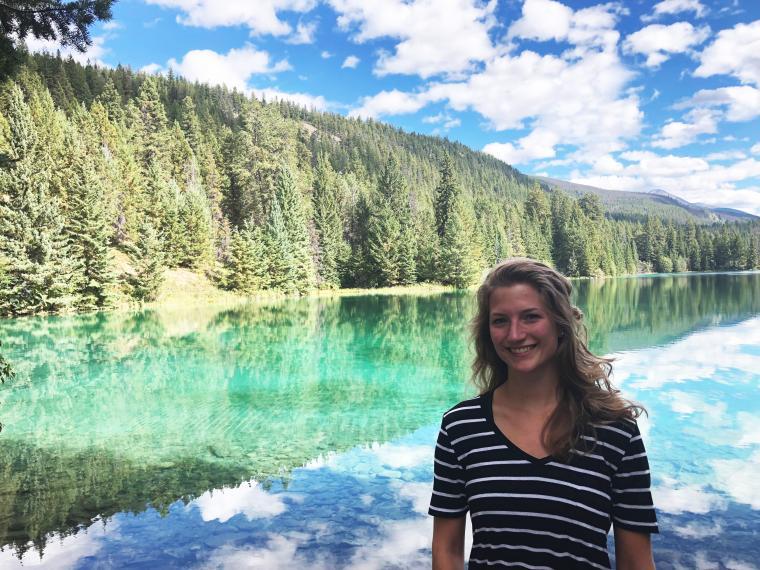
(301, 434)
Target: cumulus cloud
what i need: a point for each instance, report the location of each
(392, 102)
(152, 68)
(670, 7)
(738, 477)
(581, 102)
(676, 134)
(304, 33)
(658, 42)
(350, 62)
(686, 499)
(232, 69)
(317, 102)
(94, 53)
(545, 20)
(457, 40)
(734, 52)
(740, 102)
(248, 499)
(261, 17)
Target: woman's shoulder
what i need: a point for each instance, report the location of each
(622, 430)
(465, 408)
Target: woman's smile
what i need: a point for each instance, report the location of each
(522, 331)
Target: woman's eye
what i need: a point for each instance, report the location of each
(532, 318)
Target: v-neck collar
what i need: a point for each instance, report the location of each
(487, 405)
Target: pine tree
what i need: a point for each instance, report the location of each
(459, 261)
(38, 268)
(296, 224)
(329, 225)
(247, 264)
(89, 233)
(195, 239)
(148, 261)
(446, 193)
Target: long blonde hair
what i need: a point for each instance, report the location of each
(586, 395)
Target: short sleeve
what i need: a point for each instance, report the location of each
(632, 507)
(448, 499)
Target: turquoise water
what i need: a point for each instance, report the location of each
(300, 434)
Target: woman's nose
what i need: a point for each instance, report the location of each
(515, 331)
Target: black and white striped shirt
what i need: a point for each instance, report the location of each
(539, 513)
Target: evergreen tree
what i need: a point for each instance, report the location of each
(89, 233)
(195, 239)
(329, 225)
(247, 263)
(148, 261)
(296, 228)
(38, 268)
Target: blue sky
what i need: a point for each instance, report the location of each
(631, 95)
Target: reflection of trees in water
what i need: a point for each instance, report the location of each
(126, 415)
(114, 412)
(627, 313)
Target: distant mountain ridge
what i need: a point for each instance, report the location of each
(620, 203)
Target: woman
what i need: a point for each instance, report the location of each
(549, 455)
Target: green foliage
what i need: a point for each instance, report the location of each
(283, 198)
(147, 258)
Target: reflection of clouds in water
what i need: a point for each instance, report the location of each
(686, 499)
(686, 403)
(62, 553)
(280, 552)
(738, 478)
(749, 424)
(400, 456)
(248, 498)
(702, 561)
(698, 356)
(697, 530)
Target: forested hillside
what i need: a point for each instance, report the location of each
(266, 195)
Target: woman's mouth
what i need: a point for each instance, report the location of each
(521, 349)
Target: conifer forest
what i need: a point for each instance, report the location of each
(99, 163)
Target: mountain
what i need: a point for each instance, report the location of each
(633, 205)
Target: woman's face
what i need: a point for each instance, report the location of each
(522, 331)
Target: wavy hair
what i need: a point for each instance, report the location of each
(586, 395)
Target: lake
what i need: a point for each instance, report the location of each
(300, 434)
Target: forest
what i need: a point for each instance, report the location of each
(97, 163)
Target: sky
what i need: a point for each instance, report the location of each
(635, 95)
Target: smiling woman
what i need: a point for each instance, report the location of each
(549, 455)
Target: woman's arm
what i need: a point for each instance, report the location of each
(633, 550)
(448, 543)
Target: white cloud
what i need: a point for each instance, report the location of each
(658, 42)
(580, 102)
(62, 551)
(112, 25)
(393, 102)
(676, 134)
(738, 477)
(261, 17)
(734, 52)
(545, 20)
(436, 36)
(94, 53)
(696, 530)
(232, 69)
(445, 121)
(538, 144)
(317, 102)
(350, 62)
(152, 68)
(325, 54)
(755, 148)
(304, 33)
(741, 102)
(248, 499)
(726, 155)
(686, 499)
(670, 7)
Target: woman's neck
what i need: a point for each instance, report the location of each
(531, 392)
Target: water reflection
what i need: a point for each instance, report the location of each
(299, 434)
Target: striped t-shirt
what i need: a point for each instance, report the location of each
(539, 513)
